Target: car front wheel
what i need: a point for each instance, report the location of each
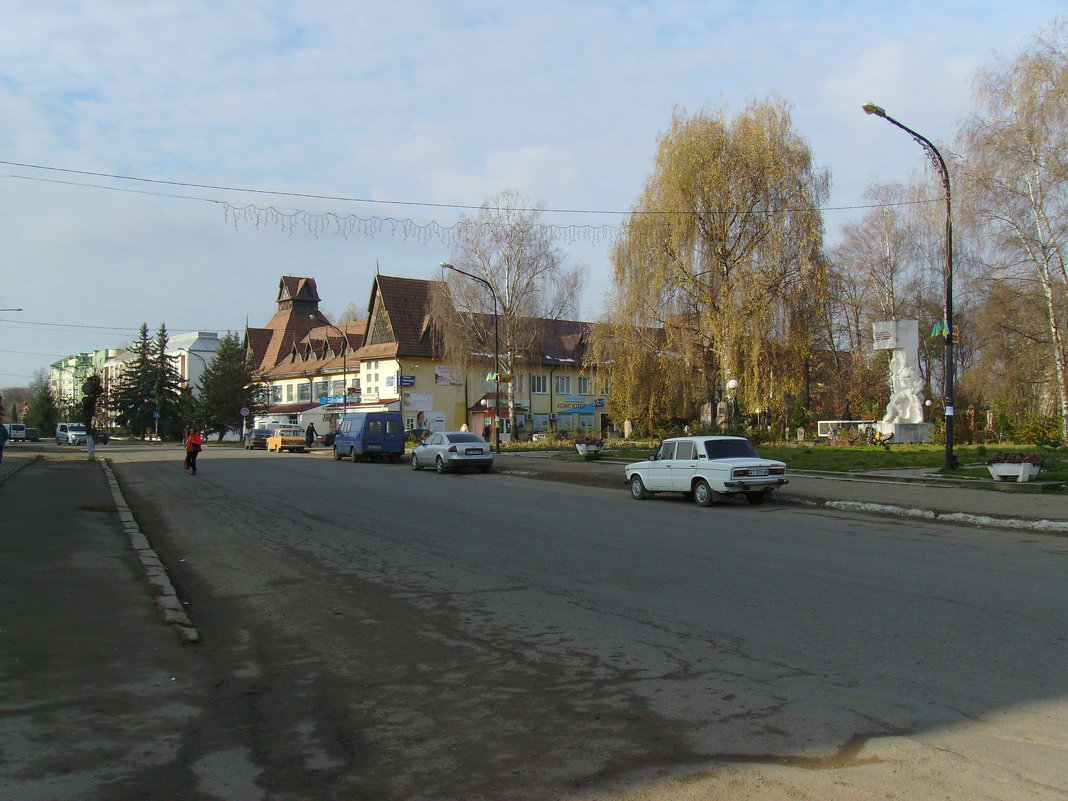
(637, 489)
(415, 463)
(702, 493)
(337, 456)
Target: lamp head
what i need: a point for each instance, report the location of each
(871, 108)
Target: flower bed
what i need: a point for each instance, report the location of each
(1019, 466)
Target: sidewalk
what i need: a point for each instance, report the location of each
(86, 668)
(905, 493)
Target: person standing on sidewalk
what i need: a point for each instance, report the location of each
(3, 441)
(309, 435)
(193, 443)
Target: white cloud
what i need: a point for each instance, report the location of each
(445, 102)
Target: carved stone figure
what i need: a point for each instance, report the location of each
(904, 413)
(906, 399)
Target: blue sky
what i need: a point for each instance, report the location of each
(424, 102)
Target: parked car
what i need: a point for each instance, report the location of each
(703, 467)
(102, 435)
(32, 435)
(16, 432)
(451, 450)
(257, 438)
(70, 434)
(327, 439)
(370, 434)
(287, 438)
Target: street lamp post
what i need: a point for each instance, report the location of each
(732, 387)
(948, 329)
(344, 364)
(496, 357)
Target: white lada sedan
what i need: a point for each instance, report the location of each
(701, 467)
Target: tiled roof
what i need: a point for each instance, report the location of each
(400, 310)
(299, 339)
(298, 313)
(292, 287)
(320, 351)
(256, 341)
(291, 408)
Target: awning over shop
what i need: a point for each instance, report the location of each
(589, 408)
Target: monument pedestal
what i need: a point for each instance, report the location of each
(904, 432)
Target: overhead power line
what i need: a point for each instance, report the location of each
(425, 204)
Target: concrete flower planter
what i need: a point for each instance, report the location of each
(589, 451)
(1008, 471)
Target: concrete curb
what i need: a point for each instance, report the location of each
(546, 472)
(168, 605)
(962, 518)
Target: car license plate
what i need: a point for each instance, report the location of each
(758, 471)
(474, 451)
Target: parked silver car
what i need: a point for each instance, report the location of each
(451, 450)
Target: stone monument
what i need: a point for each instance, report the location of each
(904, 413)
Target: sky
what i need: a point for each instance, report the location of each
(400, 118)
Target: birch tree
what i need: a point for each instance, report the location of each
(1015, 151)
(508, 247)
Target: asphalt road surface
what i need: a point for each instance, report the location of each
(374, 632)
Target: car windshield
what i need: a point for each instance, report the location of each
(78, 429)
(462, 437)
(730, 449)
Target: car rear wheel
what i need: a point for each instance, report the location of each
(702, 493)
(756, 498)
(439, 465)
(637, 489)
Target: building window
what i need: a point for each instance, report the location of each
(303, 392)
(584, 385)
(538, 385)
(563, 385)
(322, 388)
(337, 388)
(289, 393)
(276, 393)
(517, 379)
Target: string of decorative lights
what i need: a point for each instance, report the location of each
(345, 225)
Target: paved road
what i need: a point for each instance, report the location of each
(615, 637)
(373, 632)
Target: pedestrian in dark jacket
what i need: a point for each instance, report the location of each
(3, 441)
(309, 435)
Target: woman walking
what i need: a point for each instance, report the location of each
(193, 444)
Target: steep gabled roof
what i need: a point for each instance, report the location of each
(256, 342)
(321, 351)
(564, 341)
(399, 319)
(297, 314)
